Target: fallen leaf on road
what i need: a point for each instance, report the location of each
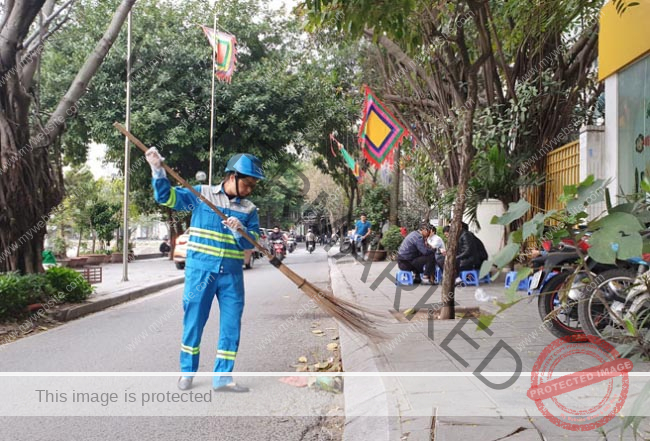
(330, 329)
(317, 332)
(335, 338)
(409, 311)
(302, 359)
(323, 365)
(294, 381)
(332, 346)
(42, 328)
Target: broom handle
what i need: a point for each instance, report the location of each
(185, 184)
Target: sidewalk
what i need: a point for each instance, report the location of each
(145, 277)
(452, 404)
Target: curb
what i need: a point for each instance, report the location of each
(368, 402)
(100, 304)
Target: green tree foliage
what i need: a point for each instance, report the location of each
(260, 112)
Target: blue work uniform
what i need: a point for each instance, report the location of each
(213, 267)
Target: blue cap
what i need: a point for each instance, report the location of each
(246, 164)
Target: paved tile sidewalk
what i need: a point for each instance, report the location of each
(464, 407)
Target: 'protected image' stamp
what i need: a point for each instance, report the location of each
(578, 401)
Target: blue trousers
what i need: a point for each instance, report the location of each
(200, 289)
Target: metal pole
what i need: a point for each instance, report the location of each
(214, 65)
(127, 157)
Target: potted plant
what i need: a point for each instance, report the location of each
(391, 241)
(376, 251)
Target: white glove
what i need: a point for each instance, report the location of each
(155, 160)
(233, 225)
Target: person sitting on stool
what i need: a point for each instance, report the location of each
(414, 255)
(165, 248)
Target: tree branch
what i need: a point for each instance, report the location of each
(66, 107)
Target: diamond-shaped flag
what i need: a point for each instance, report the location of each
(380, 131)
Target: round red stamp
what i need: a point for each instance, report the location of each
(583, 400)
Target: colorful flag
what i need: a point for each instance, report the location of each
(349, 160)
(226, 53)
(380, 131)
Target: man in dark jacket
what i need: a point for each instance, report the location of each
(470, 253)
(414, 255)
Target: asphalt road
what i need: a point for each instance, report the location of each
(144, 336)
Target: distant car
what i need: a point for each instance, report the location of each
(180, 252)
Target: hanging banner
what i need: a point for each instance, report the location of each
(380, 131)
(349, 160)
(225, 53)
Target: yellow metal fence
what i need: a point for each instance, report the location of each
(562, 168)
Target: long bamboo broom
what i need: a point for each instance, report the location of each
(354, 316)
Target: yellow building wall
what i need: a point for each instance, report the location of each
(624, 35)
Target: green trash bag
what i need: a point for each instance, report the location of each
(48, 258)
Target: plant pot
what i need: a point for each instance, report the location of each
(95, 259)
(81, 261)
(63, 262)
(376, 255)
(117, 257)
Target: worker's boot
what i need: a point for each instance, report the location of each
(185, 383)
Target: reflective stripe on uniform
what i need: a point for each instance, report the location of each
(215, 251)
(190, 350)
(226, 355)
(214, 235)
(171, 202)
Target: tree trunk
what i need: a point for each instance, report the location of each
(466, 154)
(31, 182)
(81, 233)
(394, 199)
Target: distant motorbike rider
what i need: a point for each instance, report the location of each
(310, 238)
(276, 234)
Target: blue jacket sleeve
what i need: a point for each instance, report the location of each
(176, 198)
(252, 226)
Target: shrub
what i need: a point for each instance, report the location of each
(16, 292)
(70, 283)
(392, 239)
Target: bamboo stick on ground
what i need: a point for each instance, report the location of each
(356, 317)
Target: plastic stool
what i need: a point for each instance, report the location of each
(469, 278)
(524, 284)
(404, 278)
(510, 277)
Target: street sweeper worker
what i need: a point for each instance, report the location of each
(215, 253)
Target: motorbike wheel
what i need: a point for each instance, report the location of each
(345, 247)
(594, 316)
(566, 322)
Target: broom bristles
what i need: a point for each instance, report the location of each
(358, 318)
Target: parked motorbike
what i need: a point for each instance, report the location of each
(278, 249)
(560, 286)
(346, 244)
(618, 305)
